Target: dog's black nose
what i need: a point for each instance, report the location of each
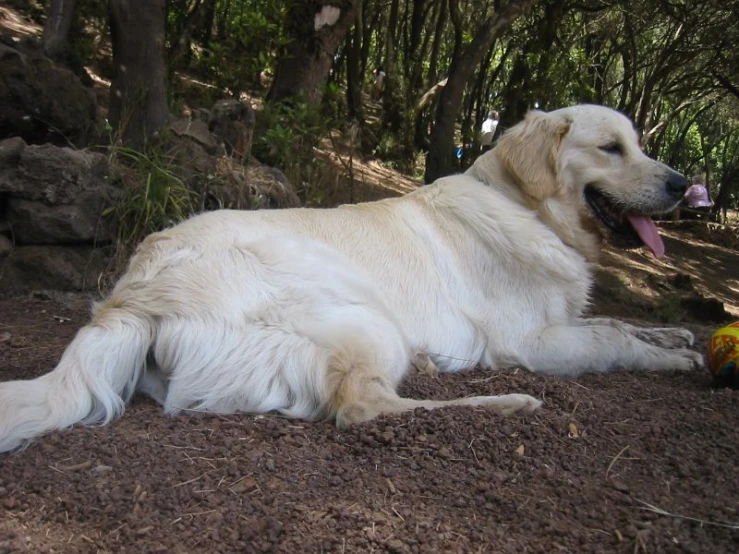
(676, 184)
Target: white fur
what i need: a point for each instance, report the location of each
(318, 313)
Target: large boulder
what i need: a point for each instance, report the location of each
(42, 102)
(53, 199)
(248, 187)
(211, 153)
(55, 195)
(196, 130)
(232, 122)
(38, 223)
(71, 268)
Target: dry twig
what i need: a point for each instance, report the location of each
(651, 508)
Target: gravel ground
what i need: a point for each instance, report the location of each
(627, 462)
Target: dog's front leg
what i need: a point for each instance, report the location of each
(577, 349)
(666, 337)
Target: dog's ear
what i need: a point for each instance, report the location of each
(529, 151)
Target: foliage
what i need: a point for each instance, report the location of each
(248, 36)
(286, 134)
(153, 198)
(671, 66)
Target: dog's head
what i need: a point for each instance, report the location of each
(583, 169)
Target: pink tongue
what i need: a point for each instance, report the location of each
(647, 231)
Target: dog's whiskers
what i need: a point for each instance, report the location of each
(473, 362)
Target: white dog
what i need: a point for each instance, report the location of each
(319, 313)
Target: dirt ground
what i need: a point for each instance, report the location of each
(628, 462)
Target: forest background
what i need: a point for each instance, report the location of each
(308, 66)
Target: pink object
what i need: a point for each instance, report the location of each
(697, 196)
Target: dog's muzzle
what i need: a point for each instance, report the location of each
(629, 229)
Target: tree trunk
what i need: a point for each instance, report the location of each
(138, 98)
(56, 30)
(317, 28)
(353, 71)
(180, 53)
(392, 104)
(206, 27)
(369, 25)
(440, 159)
(721, 203)
(222, 22)
(421, 139)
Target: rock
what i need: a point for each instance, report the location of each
(705, 309)
(232, 122)
(37, 223)
(55, 195)
(201, 114)
(10, 151)
(191, 161)
(6, 246)
(196, 130)
(42, 102)
(270, 187)
(52, 174)
(71, 268)
(249, 187)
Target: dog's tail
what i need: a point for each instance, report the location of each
(95, 377)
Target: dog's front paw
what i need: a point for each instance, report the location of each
(688, 359)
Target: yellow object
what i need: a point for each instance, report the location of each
(723, 353)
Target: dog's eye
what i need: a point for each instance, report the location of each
(613, 148)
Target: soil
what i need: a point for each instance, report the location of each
(626, 462)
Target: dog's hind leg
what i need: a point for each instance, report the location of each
(360, 395)
(422, 363)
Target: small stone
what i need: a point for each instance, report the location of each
(445, 453)
(620, 486)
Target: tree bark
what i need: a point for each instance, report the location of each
(353, 71)
(181, 51)
(138, 98)
(440, 159)
(206, 26)
(392, 104)
(56, 30)
(317, 28)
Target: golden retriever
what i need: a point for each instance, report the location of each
(320, 313)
